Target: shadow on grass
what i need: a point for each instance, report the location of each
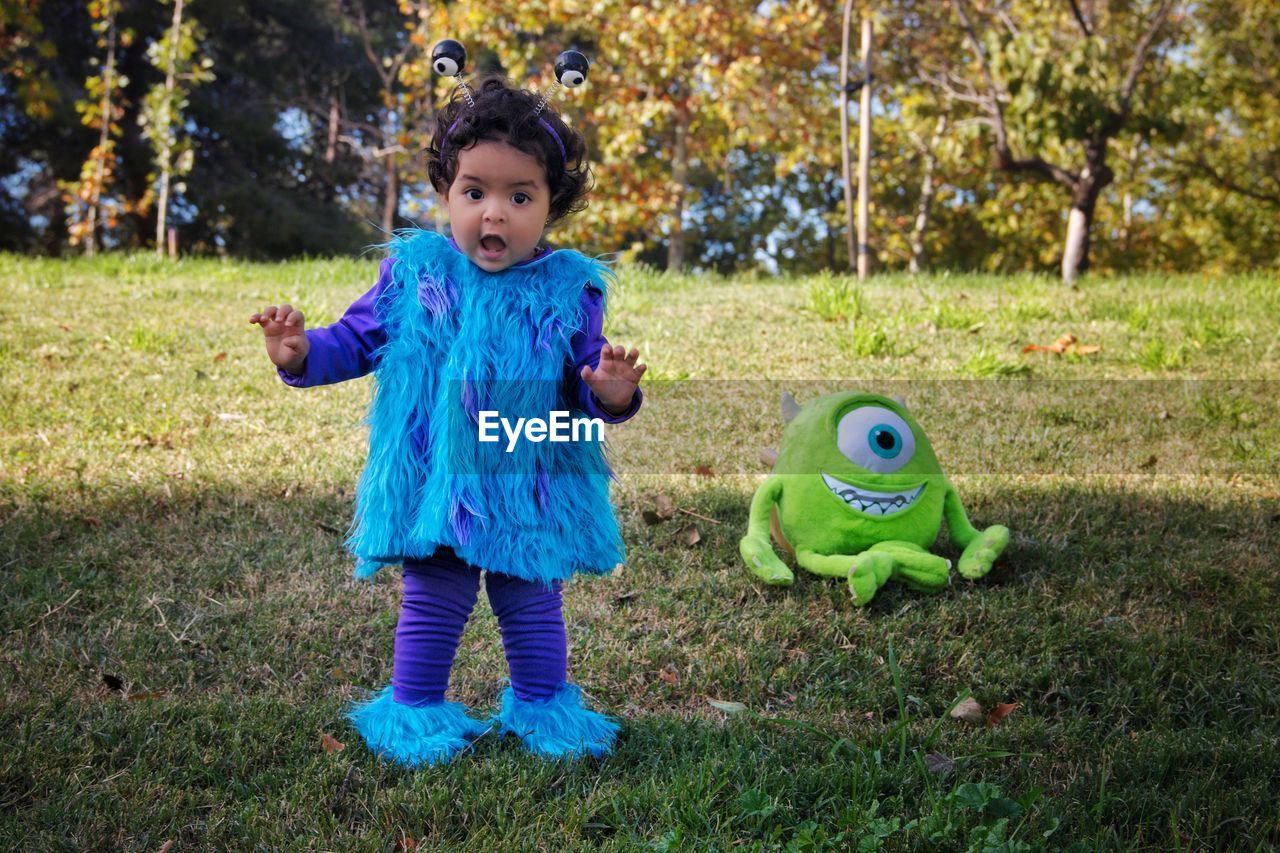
(1132, 622)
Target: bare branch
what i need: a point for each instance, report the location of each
(1084, 26)
(1202, 165)
(993, 102)
(1139, 57)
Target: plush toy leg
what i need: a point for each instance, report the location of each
(914, 566)
(764, 563)
(982, 552)
(755, 547)
(557, 727)
(414, 736)
(871, 570)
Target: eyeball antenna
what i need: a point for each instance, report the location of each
(449, 59)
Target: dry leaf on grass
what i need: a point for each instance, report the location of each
(969, 710)
(222, 356)
(704, 471)
(938, 763)
(330, 743)
(668, 677)
(997, 714)
(727, 707)
(689, 535)
(1066, 342)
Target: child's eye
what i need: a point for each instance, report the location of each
(519, 198)
(473, 194)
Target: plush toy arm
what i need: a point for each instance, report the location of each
(755, 547)
(958, 526)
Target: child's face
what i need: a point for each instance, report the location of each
(498, 205)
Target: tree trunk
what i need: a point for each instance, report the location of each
(680, 178)
(1084, 200)
(391, 199)
(104, 137)
(926, 197)
(166, 161)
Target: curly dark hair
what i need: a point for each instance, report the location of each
(503, 113)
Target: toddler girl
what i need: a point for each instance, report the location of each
(490, 323)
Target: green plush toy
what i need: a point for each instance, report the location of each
(857, 493)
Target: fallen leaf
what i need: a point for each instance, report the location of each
(1151, 461)
(64, 327)
(665, 509)
(668, 677)
(969, 710)
(625, 597)
(330, 743)
(222, 356)
(1164, 415)
(997, 714)
(1058, 347)
(166, 847)
(150, 694)
(406, 843)
(938, 763)
(727, 707)
(1066, 342)
(704, 471)
(768, 456)
(112, 681)
(689, 535)
(92, 521)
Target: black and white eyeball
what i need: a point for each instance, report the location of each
(571, 68)
(448, 58)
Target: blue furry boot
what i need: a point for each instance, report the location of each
(414, 736)
(558, 727)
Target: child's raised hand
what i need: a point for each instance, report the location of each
(284, 330)
(615, 378)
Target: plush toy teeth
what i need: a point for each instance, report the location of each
(870, 502)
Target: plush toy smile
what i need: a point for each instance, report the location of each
(869, 502)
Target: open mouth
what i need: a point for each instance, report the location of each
(873, 503)
(491, 245)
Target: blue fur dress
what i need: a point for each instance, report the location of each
(460, 341)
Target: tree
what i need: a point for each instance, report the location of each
(90, 204)
(176, 57)
(1062, 78)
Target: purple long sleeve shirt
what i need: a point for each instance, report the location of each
(345, 349)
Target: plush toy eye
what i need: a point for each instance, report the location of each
(876, 438)
(571, 68)
(448, 58)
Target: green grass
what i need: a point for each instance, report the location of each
(179, 623)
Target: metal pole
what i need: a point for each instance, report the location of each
(844, 134)
(864, 153)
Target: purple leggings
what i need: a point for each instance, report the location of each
(439, 593)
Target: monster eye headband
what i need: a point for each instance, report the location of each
(449, 58)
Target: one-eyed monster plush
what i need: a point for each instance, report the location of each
(857, 493)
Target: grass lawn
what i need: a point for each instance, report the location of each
(180, 630)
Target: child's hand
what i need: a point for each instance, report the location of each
(615, 379)
(284, 330)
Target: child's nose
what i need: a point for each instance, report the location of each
(494, 213)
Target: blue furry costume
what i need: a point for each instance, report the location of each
(453, 340)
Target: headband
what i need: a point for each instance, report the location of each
(449, 58)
